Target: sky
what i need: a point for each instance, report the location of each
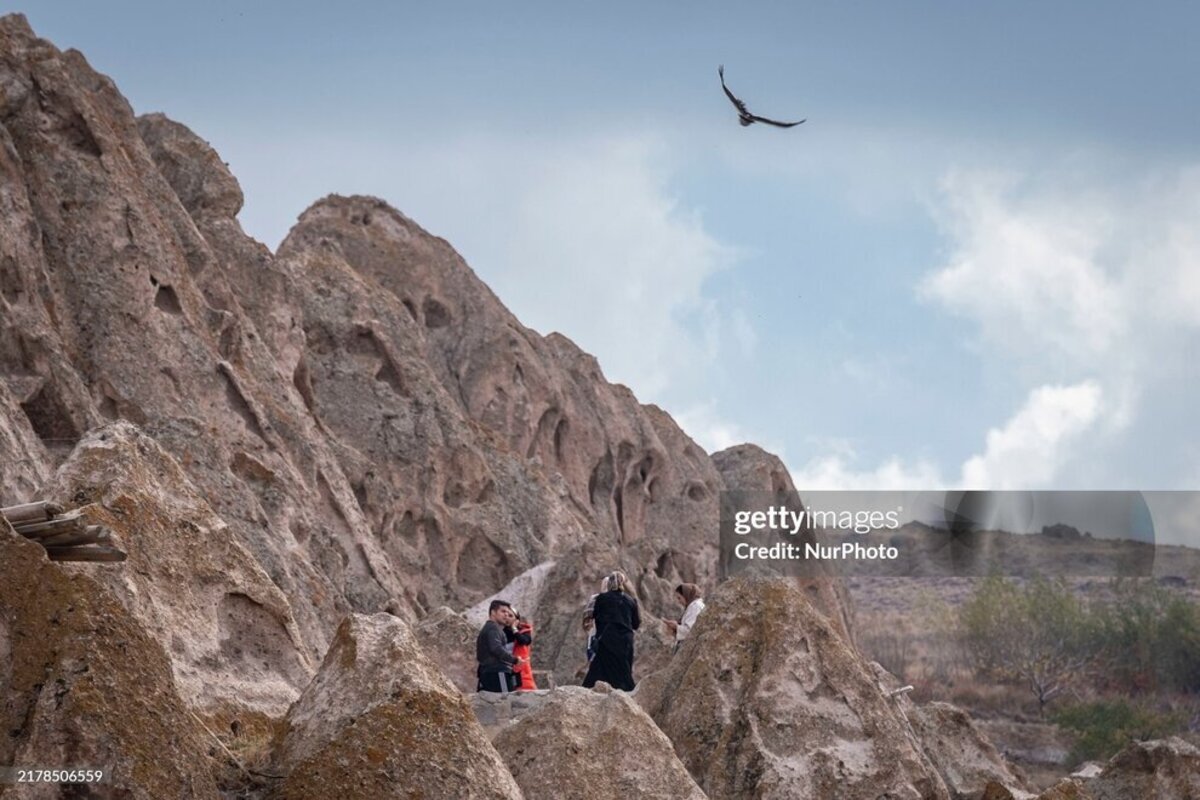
(977, 264)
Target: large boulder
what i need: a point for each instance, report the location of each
(228, 630)
(449, 639)
(964, 757)
(580, 744)
(749, 468)
(381, 720)
(1162, 769)
(767, 700)
(82, 684)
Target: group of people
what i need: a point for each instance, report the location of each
(502, 649)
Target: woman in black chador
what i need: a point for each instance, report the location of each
(616, 616)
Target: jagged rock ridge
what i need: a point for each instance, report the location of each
(357, 419)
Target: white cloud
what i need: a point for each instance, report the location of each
(596, 246)
(1088, 289)
(1031, 448)
(1028, 452)
(1028, 269)
(836, 470)
(714, 432)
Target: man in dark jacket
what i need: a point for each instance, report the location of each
(496, 662)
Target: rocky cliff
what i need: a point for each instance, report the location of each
(322, 462)
(359, 413)
(352, 424)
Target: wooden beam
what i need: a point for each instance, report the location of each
(40, 511)
(93, 534)
(68, 523)
(100, 554)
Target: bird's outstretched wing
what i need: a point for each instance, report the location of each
(738, 104)
(776, 123)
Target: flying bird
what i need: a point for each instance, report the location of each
(744, 115)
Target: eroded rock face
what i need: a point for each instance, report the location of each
(116, 306)
(1163, 769)
(381, 720)
(766, 700)
(581, 744)
(26, 464)
(480, 446)
(749, 468)
(449, 641)
(228, 629)
(84, 685)
(365, 416)
(364, 419)
(963, 756)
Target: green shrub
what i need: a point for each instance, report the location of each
(1105, 726)
(1039, 634)
(1150, 638)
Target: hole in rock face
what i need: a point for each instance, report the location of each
(482, 565)
(166, 300)
(302, 380)
(619, 501)
(49, 418)
(600, 482)
(108, 408)
(696, 491)
(546, 424)
(454, 494)
(560, 438)
(241, 407)
(360, 494)
(388, 374)
(436, 314)
(10, 279)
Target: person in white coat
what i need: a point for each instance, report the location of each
(689, 596)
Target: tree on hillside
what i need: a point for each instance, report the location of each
(1038, 634)
(1150, 638)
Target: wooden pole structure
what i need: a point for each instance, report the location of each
(93, 534)
(40, 511)
(65, 538)
(92, 554)
(69, 523)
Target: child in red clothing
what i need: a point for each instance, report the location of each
(521, 646)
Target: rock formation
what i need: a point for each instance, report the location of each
(288, 445)
(1163, 769)
(580, 744)
(449, 640)
(227, 628)
(380, 720)
(370, 423)
(963, 756)
(82, 684)
(766, 700)
(749, 468)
